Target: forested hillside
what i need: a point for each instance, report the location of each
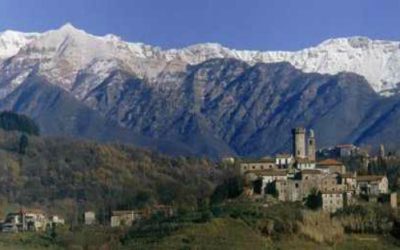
(66, 176)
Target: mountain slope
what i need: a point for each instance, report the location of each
(204, 99)
(59, 114)
(250, 108)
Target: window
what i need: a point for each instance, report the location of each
(296, 185)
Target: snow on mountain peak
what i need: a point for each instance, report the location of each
(12, 41)
(68, 27)
(66, 51)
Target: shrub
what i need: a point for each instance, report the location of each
(366, 218)
(320, 227)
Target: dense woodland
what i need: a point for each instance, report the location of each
(66, 176)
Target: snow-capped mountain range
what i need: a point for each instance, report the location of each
(64, 54)
(204, 99)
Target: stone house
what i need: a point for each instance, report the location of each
(267, 177)
(284, 160)
(350, 180)
(372, 185)
(89, 218)
(345, 150)
(333, 166)
(304, 163)
(262, 164)
(331, 183)
(55, 219)
(25, 220)
(124, 217)
(289, 190)
(311, 175)
(332, 200)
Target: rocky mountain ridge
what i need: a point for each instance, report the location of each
(377, 60)
(204, 99)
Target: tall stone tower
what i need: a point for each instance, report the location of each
(382, 151)
(311, 147)
(299, 142)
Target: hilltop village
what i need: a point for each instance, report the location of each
(294, 177)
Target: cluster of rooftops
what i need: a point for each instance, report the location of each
(295, 175)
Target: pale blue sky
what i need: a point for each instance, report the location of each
(243, 24)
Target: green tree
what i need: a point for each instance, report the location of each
(12, 121)
(230, 188)
(23, 144)
(314, 199)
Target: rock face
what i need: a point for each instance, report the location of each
(204, 99)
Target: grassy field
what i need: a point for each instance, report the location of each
(25, 241)
(221, 233)
(218, 234)
(351, 242)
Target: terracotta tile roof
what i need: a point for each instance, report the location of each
(369, 178)
(329, 162)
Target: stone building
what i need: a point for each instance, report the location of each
(311, 175)
(372, 185)
(284, 160)
(299, 143)
(55, 220)
(289, 190)
(345, 150)
(333, 166)
(304, 153)
(89, 218)
(332, 200)
(393, 200)
(124, 217)
(382, 153)
(350, 180)
(25, 220)
(331, 182)
(304, 163)
(311, 147)
(253, 166)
